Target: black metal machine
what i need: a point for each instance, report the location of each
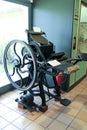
(36, 70)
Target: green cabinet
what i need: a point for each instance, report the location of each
(82, 72)
(72, 79)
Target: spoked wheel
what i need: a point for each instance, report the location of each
(19, 64)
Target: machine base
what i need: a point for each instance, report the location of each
(27, 102)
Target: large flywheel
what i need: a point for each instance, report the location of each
(20, 64)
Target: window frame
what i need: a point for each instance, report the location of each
(22, 2)
(30, 10)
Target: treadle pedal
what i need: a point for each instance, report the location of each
(65, 102)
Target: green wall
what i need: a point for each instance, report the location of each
(55, 17)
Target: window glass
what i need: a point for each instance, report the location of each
(13, 23)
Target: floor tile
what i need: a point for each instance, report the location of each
(81, 99)
(82, 115)
(12, 104)
(22, 122)
(56, 125)
(11, 116)
(44, 120)
(4, 110)
(84, 108)
(65, 118)
(34, 126)
(5, 100)
(20, 111)
(3, 123)
(79, 125)
(52, 114)
(76, 105)
(11, 127)
(74, 93)
(71, 111)
(57, 107)
(69, 128)
(32, 115)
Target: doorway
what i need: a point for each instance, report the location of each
(82, 43)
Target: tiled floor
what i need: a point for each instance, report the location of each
(57, 117)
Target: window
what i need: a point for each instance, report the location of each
(13, 23)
